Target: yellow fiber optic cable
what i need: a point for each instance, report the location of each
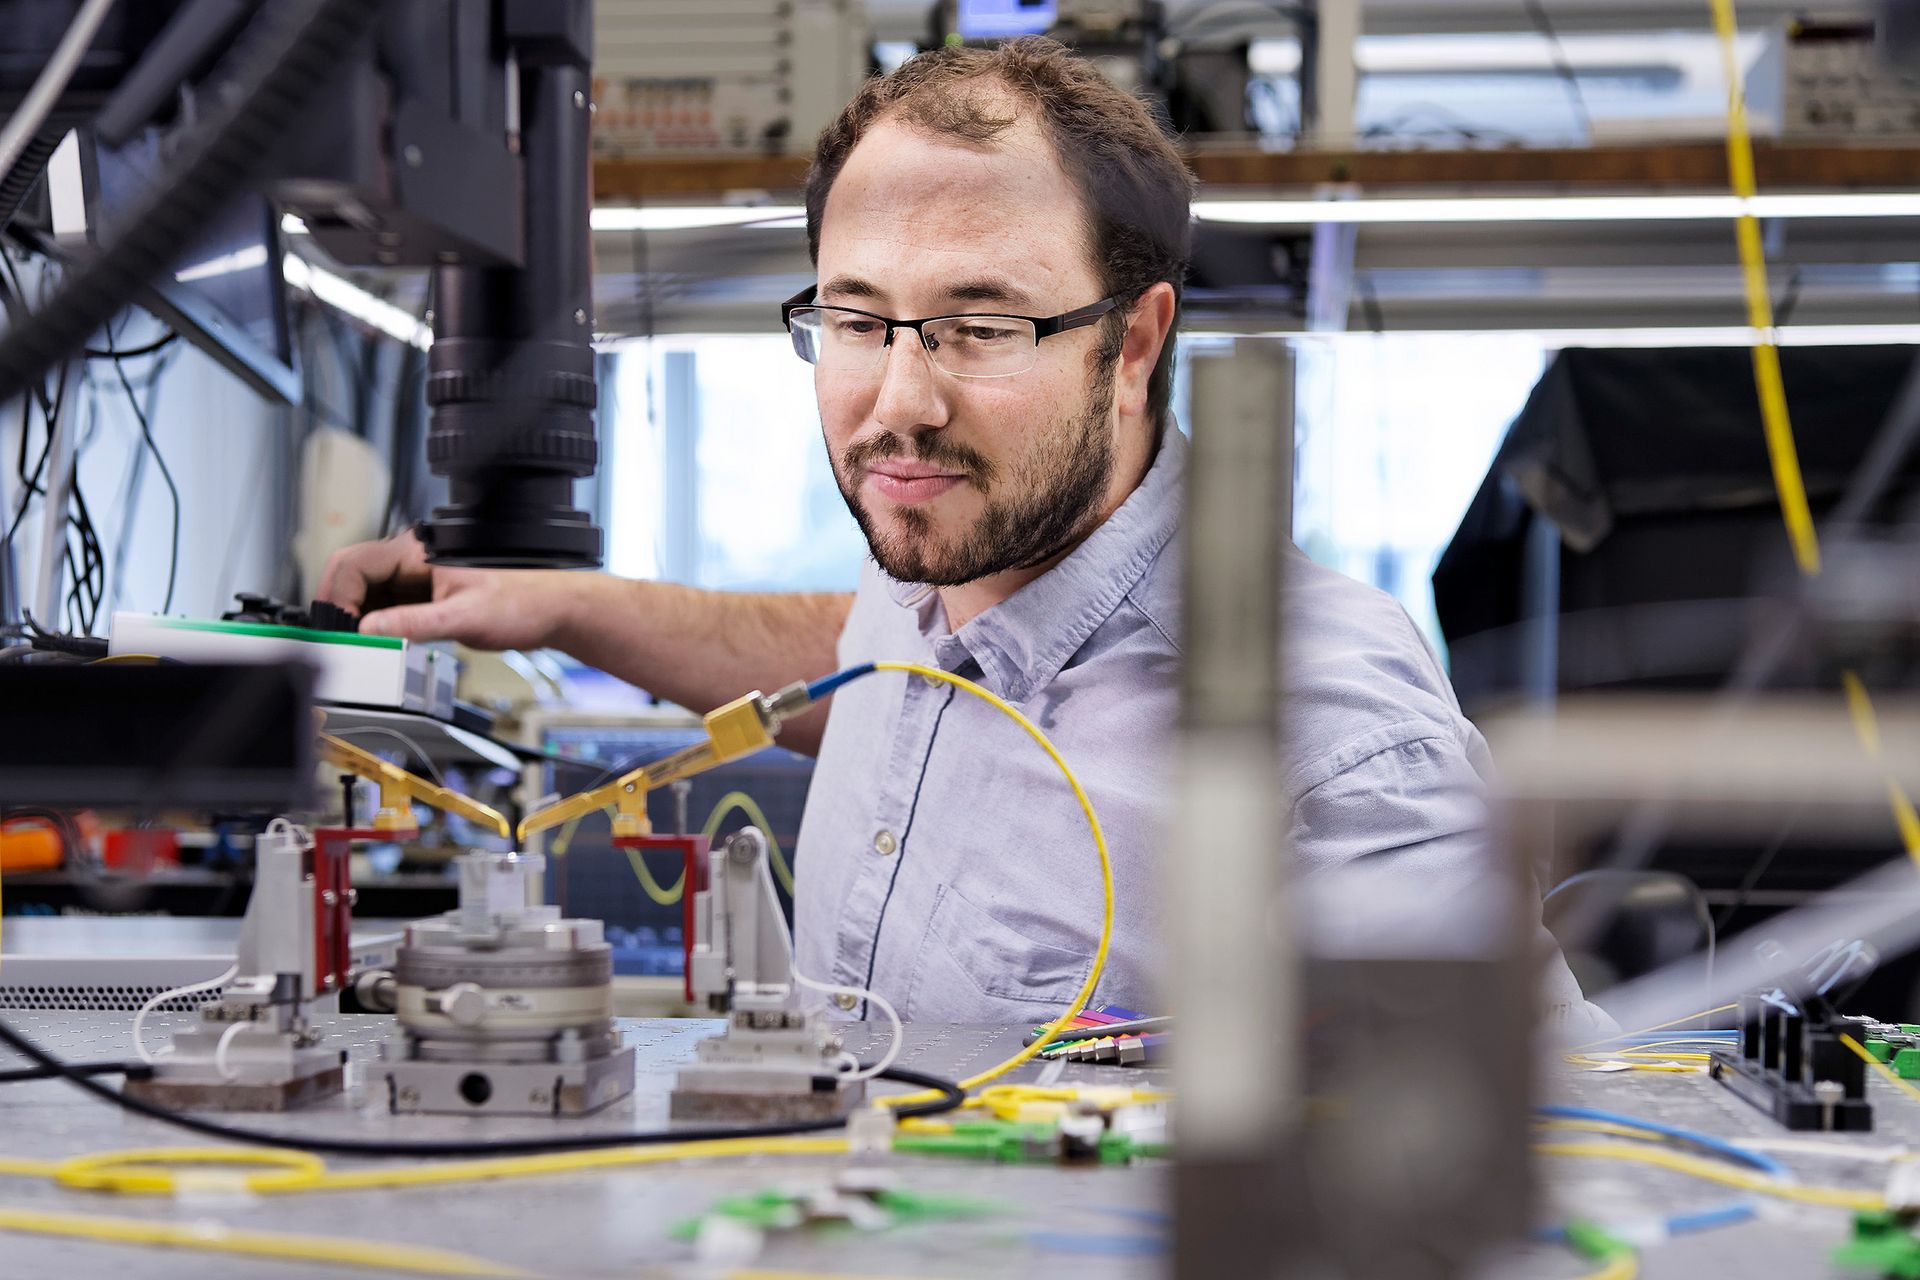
(1599, 1126)
(1622, 1266)
(150, 1171)
(1714, 1171)
(568, 1162)
(745, 803)
(1669, 1062)
(759, 1273)
(1771, 388)
(1658, 1026)
(1085, 993)
(1891, 1075)
(666, 897)
(1768, 381)
(211, 1237)
(563, 840)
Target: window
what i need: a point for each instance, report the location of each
(1393, 435)
(720, 478)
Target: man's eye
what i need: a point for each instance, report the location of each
(854, 326)
(986, 334)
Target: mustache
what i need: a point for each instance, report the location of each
(933, 449)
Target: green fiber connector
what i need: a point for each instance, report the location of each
(1882, 1244)
(969, 1146)
(1906, 1064)
(1911, 1028)
(1880, 1049)
(908, 1206)
(1595, 1242)
(768, 1210)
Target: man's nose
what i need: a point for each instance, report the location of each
(910, 398)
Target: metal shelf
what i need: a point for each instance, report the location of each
(1780, 165)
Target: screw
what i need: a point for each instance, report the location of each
(329, 898)
(579, 315)
(410, 1097)
(539, 1098)
(579, 98)
(387, 257)
(413, 156)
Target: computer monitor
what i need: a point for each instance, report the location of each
(1002, 19)
(226, 294)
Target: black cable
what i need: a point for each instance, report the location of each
(1562, 67)
(1757, 870)
(951, 1098)
(1783, 311)
(131, 1070)
(31, 484)
(25, 314)
(129, 353)
(287, 53)
(15, 184)
(166, 475)
(1370, 303)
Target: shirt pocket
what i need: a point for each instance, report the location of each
(971, 968)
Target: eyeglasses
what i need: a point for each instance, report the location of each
(970, 345)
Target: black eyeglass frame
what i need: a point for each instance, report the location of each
(1043, 326)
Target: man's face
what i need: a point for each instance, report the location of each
(955, 479)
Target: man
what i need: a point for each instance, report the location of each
(1000, 238)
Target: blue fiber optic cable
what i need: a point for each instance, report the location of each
(1752, 1159)
(1681, 1223)
(827, 684)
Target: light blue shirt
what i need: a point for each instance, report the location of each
(945, 864)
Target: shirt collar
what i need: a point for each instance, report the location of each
(1022, 642)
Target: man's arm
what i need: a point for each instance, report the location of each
(703, 648)
(1398, 846)
(697, 648)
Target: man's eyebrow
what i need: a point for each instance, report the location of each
(970, 291)
(851, 287)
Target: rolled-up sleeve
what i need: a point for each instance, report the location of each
(1395, 857)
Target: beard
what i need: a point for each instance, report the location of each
(1033, 512)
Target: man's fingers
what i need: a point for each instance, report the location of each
(398, 566)
(342, 582)
(435, 621)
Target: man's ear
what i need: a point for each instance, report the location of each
(1149, 324)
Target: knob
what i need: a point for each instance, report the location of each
(463, 1003)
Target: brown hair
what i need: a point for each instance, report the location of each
(1136, 189)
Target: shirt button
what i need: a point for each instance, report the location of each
(846, 1000)
(884, 844)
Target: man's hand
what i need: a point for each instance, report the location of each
(397, 593)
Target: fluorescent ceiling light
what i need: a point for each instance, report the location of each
(1677, 208)
(686, 217)
(1800, 335)
(225, 264)
(344, 295)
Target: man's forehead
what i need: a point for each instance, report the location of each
(900, 160)
(995, 223)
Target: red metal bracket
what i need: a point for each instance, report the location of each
(333, 901)
(693, 856)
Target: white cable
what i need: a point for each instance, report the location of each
(52, 82)
(140, 1018)
(861, 993)
(220, 1050)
